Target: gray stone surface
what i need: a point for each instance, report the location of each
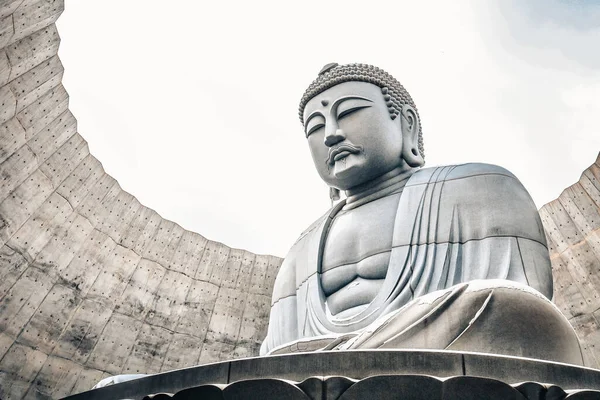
(354, 364)
(66, 226)
(334, 373)
(92, 283)
(572, 223)
(414, 387)
(451, 257)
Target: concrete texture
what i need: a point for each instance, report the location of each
(92, 283)
(348, 367)
(572, 224)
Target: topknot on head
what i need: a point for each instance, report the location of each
(327, 67)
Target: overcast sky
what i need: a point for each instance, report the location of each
(192, 106)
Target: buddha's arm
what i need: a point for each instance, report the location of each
(283, 321)
(499, 213)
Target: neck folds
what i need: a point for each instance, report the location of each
(389, 183)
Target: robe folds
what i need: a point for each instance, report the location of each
(468, 256)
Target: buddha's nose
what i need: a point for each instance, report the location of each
(333, 137)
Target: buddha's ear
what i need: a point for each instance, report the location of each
(411, 126)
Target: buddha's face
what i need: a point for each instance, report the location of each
(351, 135)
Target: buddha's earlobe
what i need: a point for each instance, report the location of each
(334, 195)
(411, 127)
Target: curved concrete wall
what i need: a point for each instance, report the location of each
(572, 224)
(92, 283)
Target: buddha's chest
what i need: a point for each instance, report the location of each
(361, 236)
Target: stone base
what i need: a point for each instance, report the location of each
(370, 374)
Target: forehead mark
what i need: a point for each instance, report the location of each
(324, 102)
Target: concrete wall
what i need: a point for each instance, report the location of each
(92, 283)
(572, 224)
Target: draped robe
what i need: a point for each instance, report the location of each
(468, 260)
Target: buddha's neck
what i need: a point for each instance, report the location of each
(384, 185)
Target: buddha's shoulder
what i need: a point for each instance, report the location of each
(474, 186)
(312, 227)
(285, 283)
(465, 172)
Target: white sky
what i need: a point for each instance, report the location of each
(192, 106)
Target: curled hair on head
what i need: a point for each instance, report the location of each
(394, 94)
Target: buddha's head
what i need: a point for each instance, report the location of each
(360, 124)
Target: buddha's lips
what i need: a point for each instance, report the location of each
(335, 151)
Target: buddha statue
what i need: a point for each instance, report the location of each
(451, 257)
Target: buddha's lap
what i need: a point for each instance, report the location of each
(489, 316)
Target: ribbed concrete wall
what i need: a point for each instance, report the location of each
(92, 283)
(572, 224)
